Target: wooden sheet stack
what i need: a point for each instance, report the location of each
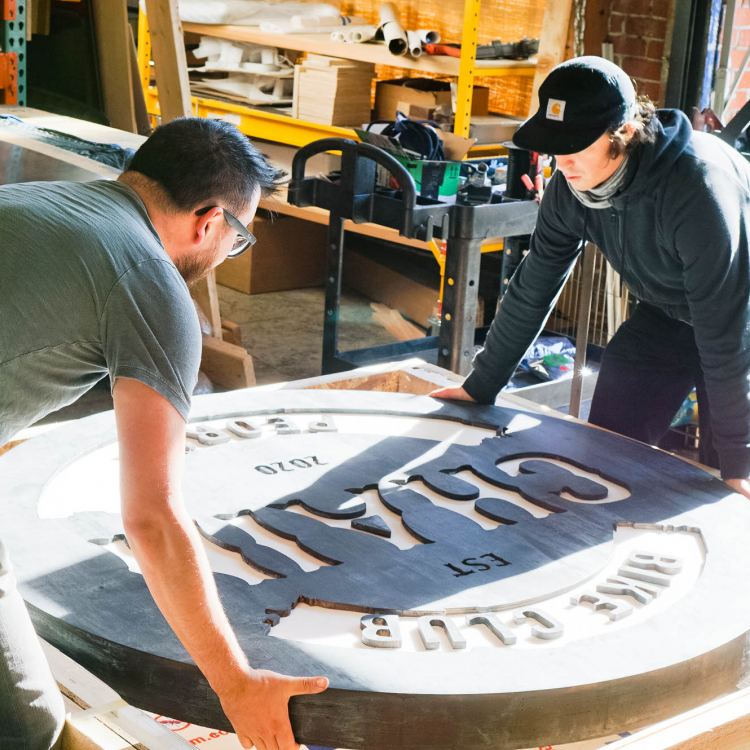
(332, 91)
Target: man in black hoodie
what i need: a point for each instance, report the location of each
(670, 210)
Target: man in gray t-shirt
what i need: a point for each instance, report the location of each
(87, 289)
(94, 282)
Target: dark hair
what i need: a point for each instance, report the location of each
(200, 162)
(621, 142)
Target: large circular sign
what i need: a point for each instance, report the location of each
(465, 576)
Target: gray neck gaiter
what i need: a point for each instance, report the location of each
(599, 196)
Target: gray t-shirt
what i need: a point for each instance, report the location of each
(86, 289)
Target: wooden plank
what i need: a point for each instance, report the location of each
(207, 296)
(108, 722)
(231, 332)
(552, 43)
(394, 323)
(29, 18)
(227, 364)
(722, 724)
(321, 44)
(170, 62)
(39, 19)
(113, 49)
(279, 204)
(86, 733)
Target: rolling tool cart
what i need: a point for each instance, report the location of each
(355, 196)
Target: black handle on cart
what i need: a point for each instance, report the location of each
(351, 151)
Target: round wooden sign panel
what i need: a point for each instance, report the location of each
(465, 576)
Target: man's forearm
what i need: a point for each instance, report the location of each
(168, 549)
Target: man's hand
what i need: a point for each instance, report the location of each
(454, 394)
(259, 710)
(170, 554)
(740, 485)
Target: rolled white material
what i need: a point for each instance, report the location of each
(338, 36)
(428, 36)
(361, 34)
(415, 45)
(269, 56)
(208, 48)
(395, 39)
(388, 13)
(311, 22)
(393, 33)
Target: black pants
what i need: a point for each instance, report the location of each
(648, 369)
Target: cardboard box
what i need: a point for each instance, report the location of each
(290, 254)
(418, 97)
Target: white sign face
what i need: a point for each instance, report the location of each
(620, 581)
(405, 547)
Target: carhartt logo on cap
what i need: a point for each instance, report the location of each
(555, 109)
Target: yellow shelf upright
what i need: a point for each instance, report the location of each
(466, 71)
(144, 50)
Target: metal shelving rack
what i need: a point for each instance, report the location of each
(13, 43)
(283, 129)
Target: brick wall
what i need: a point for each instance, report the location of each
(638, 30)
(740, 45)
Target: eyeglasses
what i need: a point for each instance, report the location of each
(244, 238)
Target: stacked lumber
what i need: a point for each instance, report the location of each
(332, 91)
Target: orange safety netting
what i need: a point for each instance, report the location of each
(507, 20)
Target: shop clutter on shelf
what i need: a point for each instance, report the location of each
(243, 72)
(390, 32)
(282, 58)
(432, 156)
(324, 18)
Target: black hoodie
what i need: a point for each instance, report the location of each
(679, 236)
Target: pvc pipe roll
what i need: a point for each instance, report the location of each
(388, 13)
(394, 35)
(361, 34)
(395, 38)
(415, 44)
(428, 36)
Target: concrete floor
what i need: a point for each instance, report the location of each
(283, 331)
